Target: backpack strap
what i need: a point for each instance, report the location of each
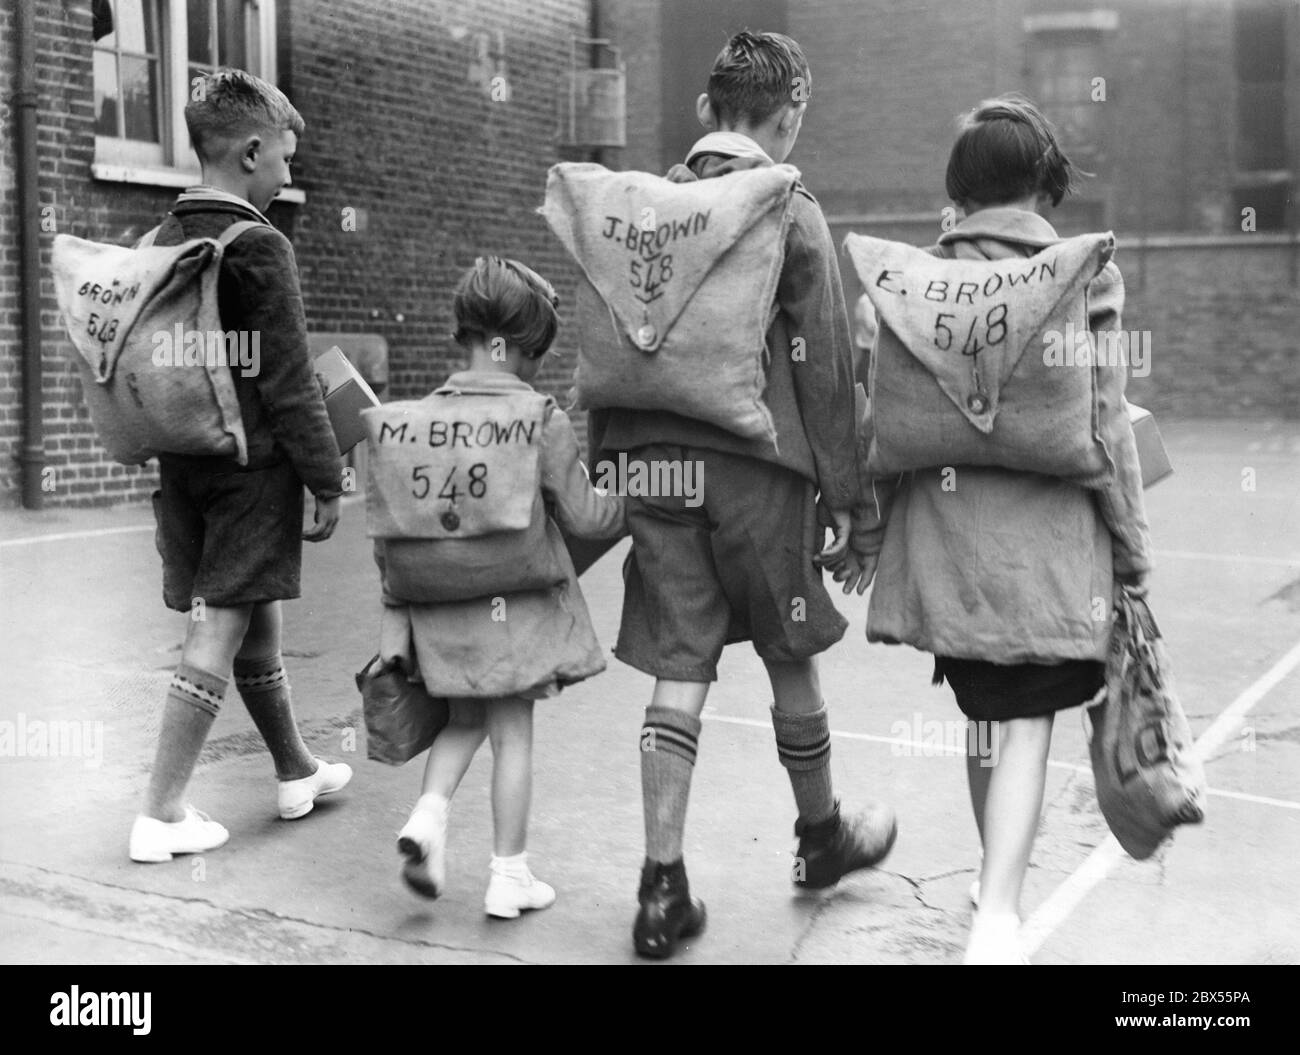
(149, 238)
(238, 228)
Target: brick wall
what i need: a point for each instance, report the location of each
(401, 126)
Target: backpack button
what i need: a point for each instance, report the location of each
(977, 403)
(645, 336)
(450, 521)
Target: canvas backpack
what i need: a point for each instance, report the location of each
(454, 495)
(154, 361)
(969, 366)
(678, 289)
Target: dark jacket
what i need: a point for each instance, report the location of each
(282, 409)
(812, 400)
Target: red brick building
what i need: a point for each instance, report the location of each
(431, 124)
(433, 121)
(1187, 111)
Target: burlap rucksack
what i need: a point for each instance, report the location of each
(962, 371)
(154, 361)
(678, 290)
(454, 497)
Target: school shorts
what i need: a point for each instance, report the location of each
(739, 566)
(228, 537)
(992, 692)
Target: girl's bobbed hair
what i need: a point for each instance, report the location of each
(500, 297)
(1007, 150)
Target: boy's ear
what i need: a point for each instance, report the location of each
(249, 152)
(791, 118)
(705, 113)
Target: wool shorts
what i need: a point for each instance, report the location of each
(738, 566)
(228, 537)
(993, 692)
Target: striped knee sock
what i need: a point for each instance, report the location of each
(198, 688)
(669, 741)
(264, 687)
(803, 744)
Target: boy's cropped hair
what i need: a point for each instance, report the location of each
(1007, 150)
(500, 297)
(231, 104)
(756, 74)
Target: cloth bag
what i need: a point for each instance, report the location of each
(968, 367)
(146, 333)
(1148, 776)
(454, 496)
(402, 719)
(678, 289)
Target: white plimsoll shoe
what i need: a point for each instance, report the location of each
(995, 939)
(297, 797)
(423, 842)
(513, 891)
(153, 840)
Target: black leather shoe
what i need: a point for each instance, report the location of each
(668, 912)
(831, 849)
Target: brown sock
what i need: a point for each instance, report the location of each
(193, 700)
(669, 741)
(264, 687)
(803, 744)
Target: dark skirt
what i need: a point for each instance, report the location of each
(993, 692)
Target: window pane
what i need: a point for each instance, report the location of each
(1261, 125)
(140, 98)
(232, 42)
(105, 94)
(198, 24)
(136, 30)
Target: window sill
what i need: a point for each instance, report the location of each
(168, 177)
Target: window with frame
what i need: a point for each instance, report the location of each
(146, 55)
(1263, 180)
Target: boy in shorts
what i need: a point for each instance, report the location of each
(230, 535)
(742, 565)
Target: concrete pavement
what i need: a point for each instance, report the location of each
(86, 640)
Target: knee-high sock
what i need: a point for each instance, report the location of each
(669, 741)
(193, 700)
(264, 687)
(803, 744)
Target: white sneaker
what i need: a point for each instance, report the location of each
(423, 842)
(510, 892)
(153, 840)
(297, 797)
(995, 939)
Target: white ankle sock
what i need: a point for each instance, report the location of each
(515, 866)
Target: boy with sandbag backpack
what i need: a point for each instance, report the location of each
(228, 402)
(715, 341)
(467, 492)
(1002, 491)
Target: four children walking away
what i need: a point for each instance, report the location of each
(737, 567)
(998, 576)
(230, 535)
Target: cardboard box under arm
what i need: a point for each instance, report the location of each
(346, 396)
(1151, 449)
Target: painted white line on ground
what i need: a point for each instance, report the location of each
(1066, 898)
(65, 536)
(919, 747)
(1229, 558)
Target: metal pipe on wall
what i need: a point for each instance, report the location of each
(31, 455)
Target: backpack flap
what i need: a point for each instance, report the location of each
(146, 332)
(967, 345)
(454, 466)
(680, 287)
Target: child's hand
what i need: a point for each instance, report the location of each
(327, 519)
(842, 524)
(856, 571)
